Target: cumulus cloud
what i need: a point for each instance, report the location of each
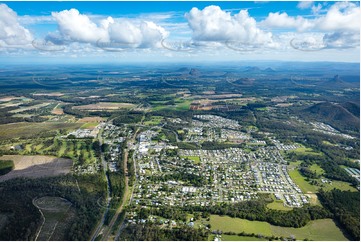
(305, 4)
(341, 16)
(283, 20)
(79, 27)
(340, 24)
(11, 32)
(74, 26)
(214, 24)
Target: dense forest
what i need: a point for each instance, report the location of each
(141, 232)
(16, 200)
(345, 206)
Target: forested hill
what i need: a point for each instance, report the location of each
(340, 116)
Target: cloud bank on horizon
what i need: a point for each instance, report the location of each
(329, 26)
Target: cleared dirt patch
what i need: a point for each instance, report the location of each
(51, 94)
(57, 111)
(57, 214)
(91, 120)
(36, 166)
(104, 106)
(9, 98)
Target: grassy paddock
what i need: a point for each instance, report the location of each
(196, 159)
(301, 182)
(27, 130)
(277, 205)
(316, 168)
(322, 229)
(306, 151)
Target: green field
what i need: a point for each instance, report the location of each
(343, 186)
(306, 151)
(301, 182)
(277, 205)
(317, 169)
(183, 105)
(26, 130)
(196, 159)
(154, 120)
(89, 125)
(322, 229)
(306, 187)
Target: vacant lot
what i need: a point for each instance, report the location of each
(105, 106)
(57, 214)
(322, 229)
(26, 130)
(195, 159)
(278, 205)
(57, 111)
(301, 182)
(91, 120)
(36, 166)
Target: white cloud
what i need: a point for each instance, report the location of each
(340, 24)
(316, 9)
(11, 32)
(305, 4)
(79, 27)
(282, 20)
(341, 16)
(341, 40)
(214, 24)
(74, 26)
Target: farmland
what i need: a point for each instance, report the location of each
(27, 130)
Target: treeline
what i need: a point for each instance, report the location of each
(257, 210)
(128, 118)
(151, 232)
(345, 206)
(6, 166)
(16, 202)
(131, 168)
(209, 145)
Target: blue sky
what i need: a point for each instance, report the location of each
(179, 31)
